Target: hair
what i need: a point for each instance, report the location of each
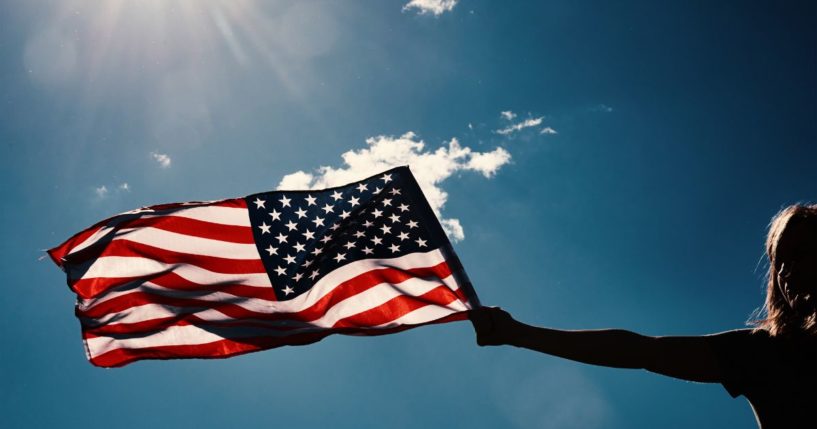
(782, 314)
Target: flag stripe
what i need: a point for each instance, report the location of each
(227, 212)
(151, 317)
(228, 347)
(127, 307)
(306, 306)
(123, 270)
(190, 335)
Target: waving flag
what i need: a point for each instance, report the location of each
(221, 278)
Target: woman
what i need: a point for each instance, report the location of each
(773, 365)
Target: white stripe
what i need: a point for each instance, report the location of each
(127, 266)
(318, 291)
(355, 304)
(179, 336)
(221, 215)
(425, 314)
(195, 335)
(236, 216)
(183, 243)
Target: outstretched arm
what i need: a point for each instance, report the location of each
(687, 358)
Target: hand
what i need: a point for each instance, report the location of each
(493, 325)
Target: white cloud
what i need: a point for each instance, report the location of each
(507, 114)
(548, 130)
(124, 187)
(101, 192)
(430, 168)
(435, 7)
(527, 123)
(602, 108)
(162, 158)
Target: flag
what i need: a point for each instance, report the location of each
(221, 278)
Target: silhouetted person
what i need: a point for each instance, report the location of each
(773, 365)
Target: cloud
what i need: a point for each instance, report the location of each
(601, 108)
(430, 168)
(548, 130)
(124, 187)
(507, 114)
(527, 123)
(101, 192)
(435, 7)
(162, 158)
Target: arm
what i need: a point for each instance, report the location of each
(687, 358)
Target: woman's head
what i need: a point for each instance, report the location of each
(791, 293)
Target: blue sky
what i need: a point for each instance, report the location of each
(677, 130)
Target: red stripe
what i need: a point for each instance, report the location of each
(232, 347)
(194, 227)
(344, 290)
(58, 253)
(397, 307)
(127, 248)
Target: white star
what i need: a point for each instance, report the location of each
(367, 250)
(281, 271)
(272, 250)
(403, 236)
(360, 234)
(308, 263)
(394, 218)
(421, 242)
(318, 221)
(377, 213)
(285, 201)
(299, 247)
(349, 245)
(386, 178)
(290, 259)
(281, 238)
(275, 215)
(264, 228)
(403, 207)
(394, 248)
(313, 275)
(336, 195)
(386, 229)
(287, 290)
(334, 227)
(344, 215)
(395, 191)
(377, 190)
(412, 224)
(386, 202)
(362, 187)
(297, 277)
(327, 208)
(326, 239)
(310, 200)
(368, 223)
(309, 235)
(317, 251)
(259, 203)
(377, 240)
(300, 212)
(340, 257)
(292, 225)
(354, 201)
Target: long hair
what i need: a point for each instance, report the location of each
(790, 248)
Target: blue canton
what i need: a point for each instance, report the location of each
(304, 235)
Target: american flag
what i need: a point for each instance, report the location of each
(221, 278)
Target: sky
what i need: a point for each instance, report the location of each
(598, 164)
